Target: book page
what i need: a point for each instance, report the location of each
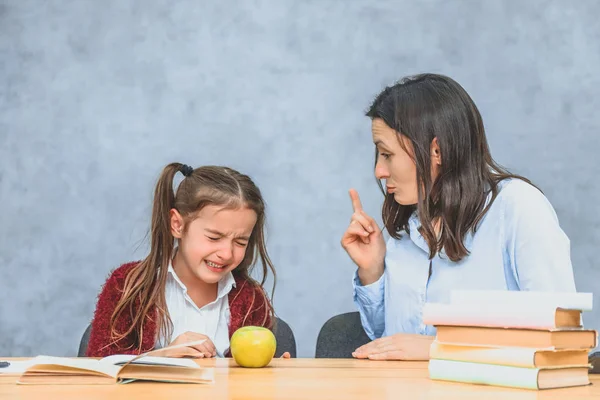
(121, 359)
(85, 364)
(168, 350)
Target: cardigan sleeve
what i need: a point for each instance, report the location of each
(101, 343)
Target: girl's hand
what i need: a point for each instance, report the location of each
(204, 350)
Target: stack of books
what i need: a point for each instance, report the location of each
(529, 340)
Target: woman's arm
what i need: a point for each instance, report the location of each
(369, 300)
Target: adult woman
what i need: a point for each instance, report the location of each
(457, 219)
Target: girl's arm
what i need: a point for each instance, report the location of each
(100, 343)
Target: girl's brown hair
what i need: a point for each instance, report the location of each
(144, 290)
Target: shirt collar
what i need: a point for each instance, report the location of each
(414, 224)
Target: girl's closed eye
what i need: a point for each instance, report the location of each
(214, 239)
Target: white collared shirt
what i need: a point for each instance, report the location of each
(211, 320)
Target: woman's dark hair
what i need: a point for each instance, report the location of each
(428, 106)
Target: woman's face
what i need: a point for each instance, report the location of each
(396, 166)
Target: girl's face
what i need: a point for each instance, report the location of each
(396, 165)
(213, 244)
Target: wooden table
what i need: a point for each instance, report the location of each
(301, 378)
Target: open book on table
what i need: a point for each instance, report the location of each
(120, 368)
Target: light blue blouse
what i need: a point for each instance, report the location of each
(518, 245)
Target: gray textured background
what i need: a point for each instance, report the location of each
(97, 96)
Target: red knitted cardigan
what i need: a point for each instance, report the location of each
(241, 297)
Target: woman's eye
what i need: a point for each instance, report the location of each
(384, 155)
(214, 239)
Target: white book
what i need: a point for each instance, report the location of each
(501, 315)
(511, 298)
(508, 376)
